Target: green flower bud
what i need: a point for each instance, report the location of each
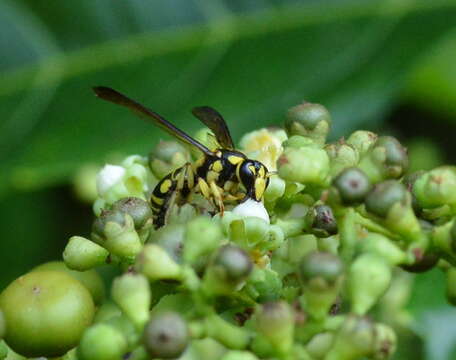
(229, 269)
(202, 237)
(115, 231)
(385, 342)
(234, 262)
(322, 221)
(307, 119)
(342, 155)
(362, 140)
(321, 275)
(378, 244)
(166, 335)
(82, 254)
(102, 342)
(354, 340)
(137, 208)
(320, 344)
(368, 278)
(167, 156)
(106, 311)
(275, 189)
(155, 263)
(84, 183)
(387, 159)
(396, 157)
(275, 321)
(436, 187)
(383, 196)
(306, 165)
(353, 186)
(131, 293)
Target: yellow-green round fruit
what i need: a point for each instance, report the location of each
(90, 278)
(46, 313)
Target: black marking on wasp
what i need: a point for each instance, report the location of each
(218, 175)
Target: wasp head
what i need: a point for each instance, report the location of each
(254, 176)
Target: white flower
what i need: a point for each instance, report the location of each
(252, 208)
(109, 176)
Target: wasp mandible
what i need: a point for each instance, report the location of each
(222, 174)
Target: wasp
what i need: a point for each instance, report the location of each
(219, 175)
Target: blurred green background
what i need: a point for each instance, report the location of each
(387, 66)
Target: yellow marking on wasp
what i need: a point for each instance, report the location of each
(260, 186)
(165, 186)
(156, 200)
(261, 172)
(234, 159)
(217, 166)
(218, 154)
(252, 169)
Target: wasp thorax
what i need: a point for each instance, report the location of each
(254, 176)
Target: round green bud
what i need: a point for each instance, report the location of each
(166, 151)
(106, 216)
(306, 165)
(396, 157)
(322, 220)
(139, 210)
(436, 187)
(342, 155)
(238, 355)
(235, 262)
(171, 238)
(424, 263)
(90, 279)
(58, 310)
(362, 140)
(102, 342)
(383, 196)
(166, 335)
(305, 117)
(202, 237)
(353, 185)
(321, 265)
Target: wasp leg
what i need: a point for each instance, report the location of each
(212, 193)
(217, 195)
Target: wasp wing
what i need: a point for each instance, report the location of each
(116, 97)
(214, 121)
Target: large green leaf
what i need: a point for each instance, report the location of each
(251, 63)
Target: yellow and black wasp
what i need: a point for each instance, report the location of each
(222, 174)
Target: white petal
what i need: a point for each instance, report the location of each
(108, 177)
(253, 208)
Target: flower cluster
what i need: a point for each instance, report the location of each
(317, 271)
